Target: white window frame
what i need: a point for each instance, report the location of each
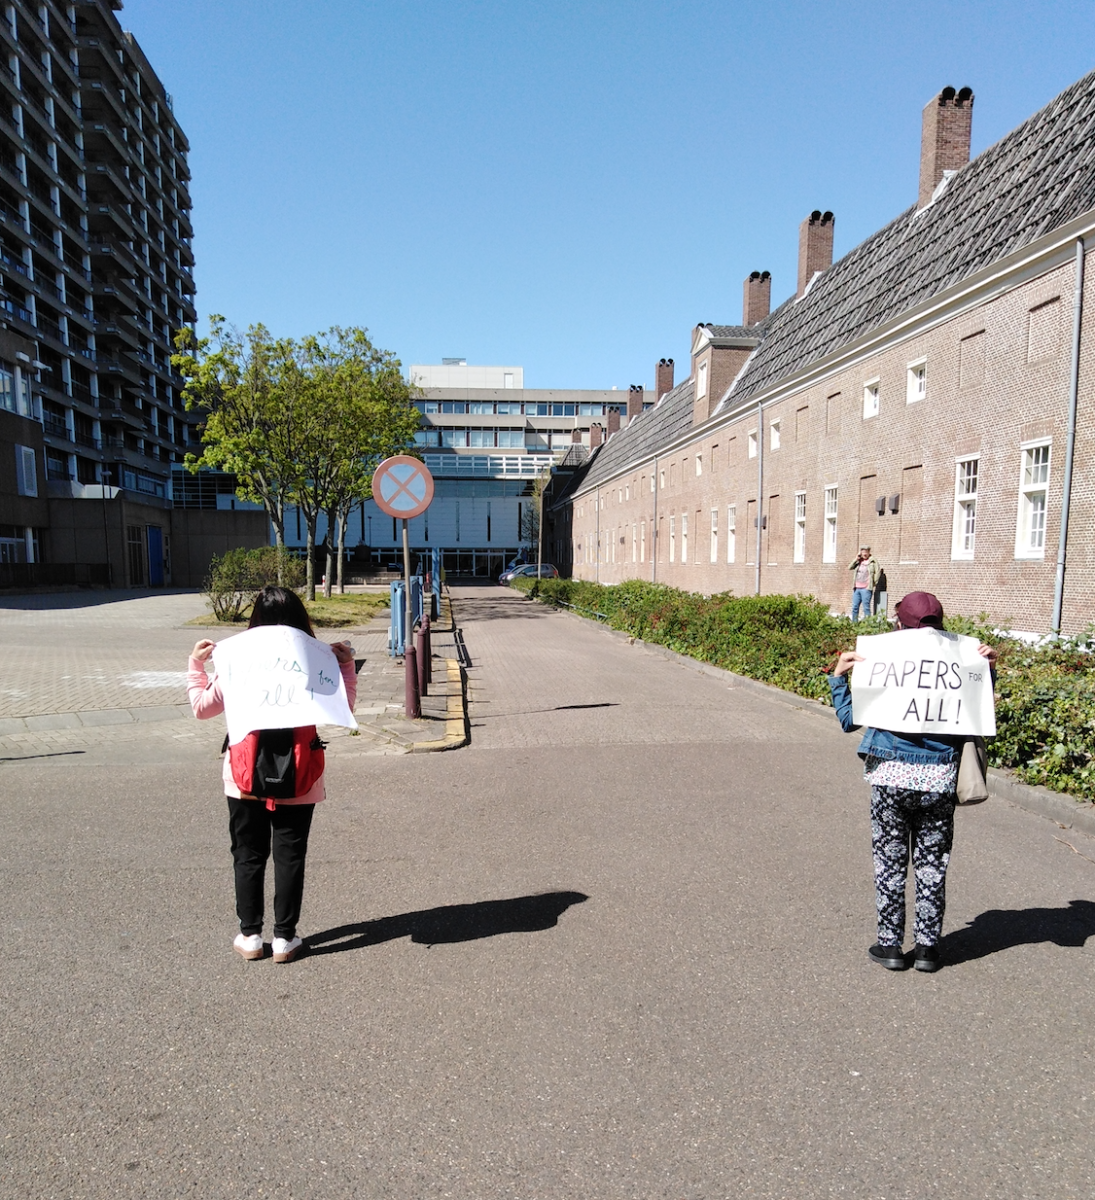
(661, 478)
(634, 542)
(800, 527)
(752, 443)
(916, 381)
(1030, 491)
(672, 537)
(714, 535)
(699, 464)
(731, 531)
(832, 502)
(684, 537)
(964, 530)
(774, 434)
(872, 390)
(701, 381)
(642, 543)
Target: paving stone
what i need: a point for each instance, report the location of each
(107, 716)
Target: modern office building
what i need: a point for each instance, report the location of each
(95, 278)
(486, 438)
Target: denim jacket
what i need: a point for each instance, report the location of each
(883, 743)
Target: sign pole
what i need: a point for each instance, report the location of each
(403, 488)
(412, 700)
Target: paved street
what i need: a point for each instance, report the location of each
(615, 948)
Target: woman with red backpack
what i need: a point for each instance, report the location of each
(259, 824)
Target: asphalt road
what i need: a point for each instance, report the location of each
(616, 948)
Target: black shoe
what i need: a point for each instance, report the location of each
(890, 957)
(926, 958)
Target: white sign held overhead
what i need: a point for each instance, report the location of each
(274, 676)
(923, 681)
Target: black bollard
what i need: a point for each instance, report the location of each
(412, 703)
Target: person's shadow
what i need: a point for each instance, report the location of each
(1000, 929)
(450, 923)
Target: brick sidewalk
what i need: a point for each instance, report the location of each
(103, 668)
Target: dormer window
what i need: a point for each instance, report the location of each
(701, 381)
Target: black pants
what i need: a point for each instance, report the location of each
(253, 827)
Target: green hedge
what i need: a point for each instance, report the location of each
(1045, 696)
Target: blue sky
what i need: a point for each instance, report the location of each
(566, 186)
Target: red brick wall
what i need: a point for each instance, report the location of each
(988, 409)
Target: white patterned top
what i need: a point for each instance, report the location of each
(912, 777)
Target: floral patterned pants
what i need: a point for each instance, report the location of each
(925, 821)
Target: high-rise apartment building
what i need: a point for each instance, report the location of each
(95, 277)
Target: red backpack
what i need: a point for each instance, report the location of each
(278, 764)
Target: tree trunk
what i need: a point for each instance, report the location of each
(329, 562)
(277, 518)
(341, 549)
(310, 577)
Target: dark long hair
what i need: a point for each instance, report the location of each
(280, 606)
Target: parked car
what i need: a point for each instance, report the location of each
(547, 571)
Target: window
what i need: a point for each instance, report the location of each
(871, 391)
(26, 471)
(731, 531)
(699, 464)
(916, 387)
(684, 537)
(672, 539)
(773, 430)
(634, 543)
(627, 491)
(651, 482)
(800, 527)
(965, 507)
(1030, 534)
(701, 381)
(661, 478)
(828, 548)
(752, 452)
(642, 542)
(714, 535)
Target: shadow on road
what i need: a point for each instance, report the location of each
(450, 923)
(1001, 929)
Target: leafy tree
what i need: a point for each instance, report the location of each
(252, 419)
(367, 416)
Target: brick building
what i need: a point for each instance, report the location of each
(931, 394)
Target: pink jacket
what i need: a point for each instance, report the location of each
(207, 700)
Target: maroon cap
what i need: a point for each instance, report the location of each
(920, 609)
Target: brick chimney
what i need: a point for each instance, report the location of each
(815, 247)
(575, 437)
(663, 378)
(595, 436)
(613, 422)
(634, 402)
(757, 302)
(945, 138)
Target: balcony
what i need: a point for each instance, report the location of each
(56, 426)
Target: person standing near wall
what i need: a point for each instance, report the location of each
(914, 779)
(865, 570)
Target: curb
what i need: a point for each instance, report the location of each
(91, 718)
(1068, 812)
(456, 723)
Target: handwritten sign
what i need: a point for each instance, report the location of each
(274, 676)
(923, 681)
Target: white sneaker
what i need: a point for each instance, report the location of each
(286, 951)
(249, 945)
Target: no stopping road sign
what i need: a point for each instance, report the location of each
(402, 487)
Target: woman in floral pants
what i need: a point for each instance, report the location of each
(913, 779)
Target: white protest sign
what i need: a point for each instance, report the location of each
(274, 676)
(923, 681)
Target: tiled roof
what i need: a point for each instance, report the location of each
(1032, 181)
(639, 439)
